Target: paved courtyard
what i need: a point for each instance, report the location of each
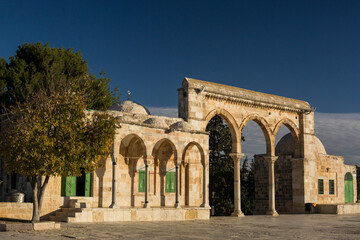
(250, 227)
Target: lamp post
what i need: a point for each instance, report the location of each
(113, 203)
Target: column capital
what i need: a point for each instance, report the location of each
(237, 156)
(271, 159)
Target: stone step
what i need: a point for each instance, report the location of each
(73, 203)
(58, 218)
(71, 209)
(73, 220)
(65, 214)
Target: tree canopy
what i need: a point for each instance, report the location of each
(221, 171)
(221, 167)
(46, 128)
(36, 67)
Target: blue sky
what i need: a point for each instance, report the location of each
(307, 50)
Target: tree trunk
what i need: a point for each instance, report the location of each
(36, 214)
(38, 190)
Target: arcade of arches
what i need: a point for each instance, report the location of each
(158, 169)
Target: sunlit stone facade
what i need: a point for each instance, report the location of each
(161, 164)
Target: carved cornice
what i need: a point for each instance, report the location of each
(249, 103)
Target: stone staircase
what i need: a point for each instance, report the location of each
(70, 213)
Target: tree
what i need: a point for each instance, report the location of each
(221, 167)
(38, 67)
(221, 171)
(247, 186)
(46, 130)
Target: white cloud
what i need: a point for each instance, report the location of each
(340, 134)
(163, 111)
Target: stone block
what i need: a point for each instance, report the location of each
(190, 214)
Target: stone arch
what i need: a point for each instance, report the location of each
(294, 130)
(165, 157)
(231, 122)
(192, 173)
(158, 144)
(127, 145)
(263, 124)
(189, 146)
(133, 148)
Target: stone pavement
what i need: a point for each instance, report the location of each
(250, 227)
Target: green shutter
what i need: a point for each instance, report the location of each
(170, 182)
(331, 187)
(320, 186)
(63, 186)
(87, 184)
(172, 187)
(141, 181)
(68, 186)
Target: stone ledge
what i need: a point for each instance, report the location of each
(29, 226)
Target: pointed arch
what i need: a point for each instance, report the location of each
(157, 147)
(263, 124)
(289, 124)
(194, 171)
(191, 145)
(231, 122)
(128, 144)
(294, 130)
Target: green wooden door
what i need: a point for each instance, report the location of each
(68, 186)
(170, 182)
(349, 194)
(141, 181)
(87, 184)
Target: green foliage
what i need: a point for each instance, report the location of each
(54, 135)
(247, 187)
(221, 167)
(37, 67)
(221, 171)
(45, 128)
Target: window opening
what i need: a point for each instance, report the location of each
(320, 186)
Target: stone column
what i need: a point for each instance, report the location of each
(205, 203)
(271, 162)
(113, 202)
(237, 184)
(147, 162)
(177, 205)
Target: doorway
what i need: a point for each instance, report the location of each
(349, 194)
(79, 186)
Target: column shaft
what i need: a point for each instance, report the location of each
(205, 186)
(113, 190)
(271, 168)
(237, 184)
(146, 205)
(177, 205)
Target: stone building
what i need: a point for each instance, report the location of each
(159, 166)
